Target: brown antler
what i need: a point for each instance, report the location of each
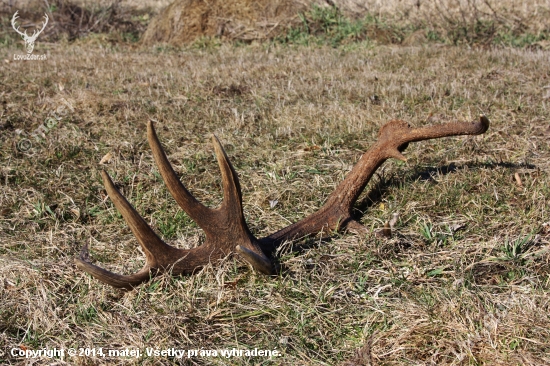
(393, 139)
(225, 228)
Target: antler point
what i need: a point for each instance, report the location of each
(106, 177)
(218, 148)
(397, 155)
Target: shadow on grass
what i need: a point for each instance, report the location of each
(374, 197)
(384, 184)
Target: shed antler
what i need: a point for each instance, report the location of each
(225, 227)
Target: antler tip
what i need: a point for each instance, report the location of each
(108, 183)
(394, 153)
(105, 175)
(151, 128)
(218, 148)
(484, 121)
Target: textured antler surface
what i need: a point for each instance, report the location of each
(393, 139)
(225, 228)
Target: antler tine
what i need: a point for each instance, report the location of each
(232, 197)
(157, 253)
(126, 282)
(401, 136)
(395, 136)
(232, 207)
(152, 245)
(451, 129)
(393, 139)
(196, 210)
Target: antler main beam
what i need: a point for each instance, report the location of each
(225, 227)
(393, 139)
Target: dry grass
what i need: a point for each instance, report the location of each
(185, 21)
(410, 22)
(71, 20)
(465, 279)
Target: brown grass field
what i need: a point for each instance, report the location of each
(463, 281)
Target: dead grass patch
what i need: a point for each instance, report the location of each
(71, 20)
(205, 24)
(185, 21)
(481, 22)
(447, 289)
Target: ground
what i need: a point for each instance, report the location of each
(463, 280)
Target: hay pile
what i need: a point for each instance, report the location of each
(186, 20)
(474, 21)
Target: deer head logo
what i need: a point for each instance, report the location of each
(29, 40)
